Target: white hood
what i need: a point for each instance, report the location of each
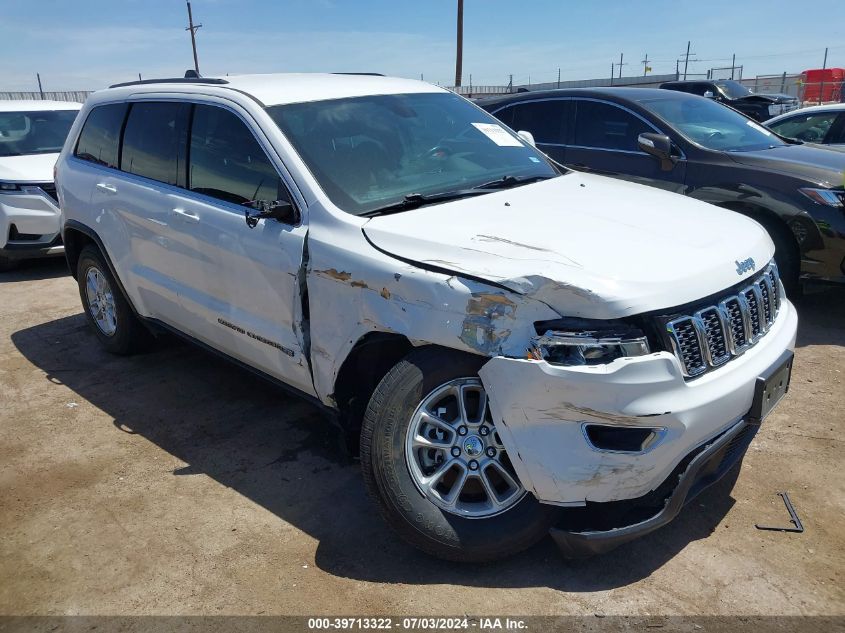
(28, 168)
(586, 245)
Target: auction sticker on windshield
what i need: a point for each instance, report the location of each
(497, 134)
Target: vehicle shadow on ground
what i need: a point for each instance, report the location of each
(36, 269)
(285, 455)
(821, 318)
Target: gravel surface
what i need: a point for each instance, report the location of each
(174, 483)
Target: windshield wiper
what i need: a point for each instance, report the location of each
(415, 200)
(506, 182)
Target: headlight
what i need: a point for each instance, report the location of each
(588, 346)
(8, 186)
(827, 197)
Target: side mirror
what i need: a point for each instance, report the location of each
(528, 137)
(659, 146)
(280, 210)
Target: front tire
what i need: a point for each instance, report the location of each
(432, 460)
(106, 309)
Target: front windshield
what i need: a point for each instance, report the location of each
(712, 125)
(733, 89)
(369, 152)
(40, 132)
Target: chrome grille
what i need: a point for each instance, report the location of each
(716, 333)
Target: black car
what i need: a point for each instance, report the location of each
(760, 107)
(693, 145)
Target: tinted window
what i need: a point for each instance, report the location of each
(100, 136)
(811, 128)
(544, 119)
(154, 141)
(227, 162)
(608, 127)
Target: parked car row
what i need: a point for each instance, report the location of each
(696, 146)
(513, 348)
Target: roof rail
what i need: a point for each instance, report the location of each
(368, 74)
(173, 80)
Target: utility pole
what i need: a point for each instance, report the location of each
(621, 57)
(686, 60)
(459, 58)
(40, 89)
(193, 30)
(821, 87)
(612, 72)
(510, 84)
(558, 78)
(645, 65)
(733, 64)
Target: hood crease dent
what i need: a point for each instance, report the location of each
(587, 246)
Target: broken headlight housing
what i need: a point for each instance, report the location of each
(576, 342)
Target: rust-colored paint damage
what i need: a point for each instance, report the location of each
(335, 274)
(478, 329)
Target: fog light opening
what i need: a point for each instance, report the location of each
(623, 439)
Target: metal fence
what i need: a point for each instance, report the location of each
(69, 95)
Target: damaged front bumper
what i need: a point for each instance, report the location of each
(699, 470)
(546, 412)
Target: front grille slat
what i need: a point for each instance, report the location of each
(717, 333)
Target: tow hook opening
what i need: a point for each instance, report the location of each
(623, 439)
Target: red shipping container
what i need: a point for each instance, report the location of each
(826, 84)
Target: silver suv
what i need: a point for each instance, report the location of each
(513, 348)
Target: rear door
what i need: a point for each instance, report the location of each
(152, 162)
(241, 284)
(548, 120)
(604, 141)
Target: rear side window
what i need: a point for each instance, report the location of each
(154, 141)
(99, 139)
(546, 120)
(607, 126)
(227, 162)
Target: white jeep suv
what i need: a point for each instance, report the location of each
(517, 348)
(31, 135)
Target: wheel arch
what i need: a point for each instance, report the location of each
(772, 222)
(365, 365)
(76, 236)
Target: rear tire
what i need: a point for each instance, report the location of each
(471, 528)
(106, 309)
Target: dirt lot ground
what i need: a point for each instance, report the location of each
(174, 483)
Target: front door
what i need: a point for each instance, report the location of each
(243, 285)
(604, 141)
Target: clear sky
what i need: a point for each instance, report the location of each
(87, 44)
